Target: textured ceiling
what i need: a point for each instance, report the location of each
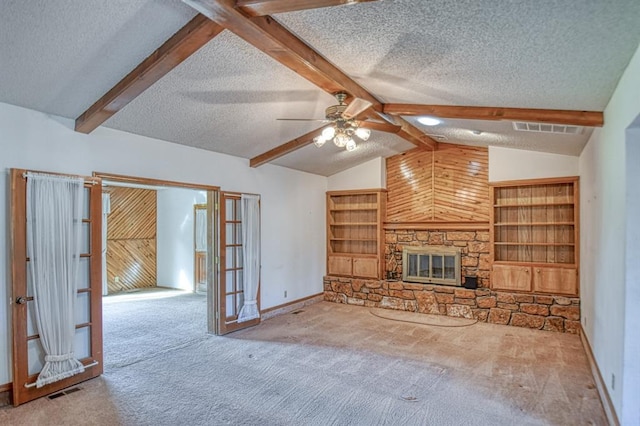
(501, 133)
(556, 54)
(226, 98)
(60, 57)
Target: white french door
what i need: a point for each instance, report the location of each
(28, 355)
(230, 294)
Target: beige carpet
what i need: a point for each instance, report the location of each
(337, 364)
(151, 321)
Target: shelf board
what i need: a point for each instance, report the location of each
(568, 203)
(534, 224)
(353, 239)
(350, 209)
(532, 263)
(353, 254)
(355, 224)
(534, 244)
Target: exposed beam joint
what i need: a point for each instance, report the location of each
(270, 37)
(270, 7)
(556, 116)
(286, 148)
(195, 34)
(412, 134)
(407, 130)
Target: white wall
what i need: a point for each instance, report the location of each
(371, 174)
(631, 384)
(175, 237)
(292, 202)
(514, 164)
(603, 234)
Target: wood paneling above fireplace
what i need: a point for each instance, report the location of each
(447, 185)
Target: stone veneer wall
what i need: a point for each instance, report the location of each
(474, 247)
(544, 312)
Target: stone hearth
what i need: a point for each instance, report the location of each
(538, 311)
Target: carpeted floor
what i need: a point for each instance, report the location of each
(331, 364)
(146, 323)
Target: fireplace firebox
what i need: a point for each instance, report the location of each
(431, 264)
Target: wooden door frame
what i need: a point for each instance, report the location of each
(196, 207)
(225, 327)
(212, 197)
(94, 364)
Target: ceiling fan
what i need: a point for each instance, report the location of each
(345, 124)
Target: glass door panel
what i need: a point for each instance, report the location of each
(437, 270)
(450, 267)
(231, 288)
(424, 266)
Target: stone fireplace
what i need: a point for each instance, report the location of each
(545, 312)
(472, 245)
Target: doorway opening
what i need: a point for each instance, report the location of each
(158, 287)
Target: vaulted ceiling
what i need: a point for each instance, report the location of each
(217, 74)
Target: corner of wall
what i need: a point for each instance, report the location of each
(367, 175)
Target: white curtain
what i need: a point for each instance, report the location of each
(54, 227)
(106, 209)
(201, 230)
(250, 216)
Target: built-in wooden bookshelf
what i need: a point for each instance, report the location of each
(535, 235)
(354, 233)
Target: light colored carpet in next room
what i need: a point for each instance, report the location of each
(331, 364)
(148, 322)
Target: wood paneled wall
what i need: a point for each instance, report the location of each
(447, 185)
(131, 239)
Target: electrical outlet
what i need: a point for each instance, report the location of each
(613, 381)
(116, 279)
(285, 293)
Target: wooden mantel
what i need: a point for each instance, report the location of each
(437, 226)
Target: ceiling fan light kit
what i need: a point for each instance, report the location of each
(344, 125)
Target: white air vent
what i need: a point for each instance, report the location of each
(437, 137)
(523, 126)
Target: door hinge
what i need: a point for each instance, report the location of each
(217, 260)
(215, 206)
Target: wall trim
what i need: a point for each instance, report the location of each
(6, 394)
(605, 399)
(291, 306)
(153, 182)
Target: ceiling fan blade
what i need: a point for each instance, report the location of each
(303, 119)
(356, 106)
(383, 127)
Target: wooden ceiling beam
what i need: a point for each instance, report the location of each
(555, 116)
(270, 37)
(195, 34)
(286, 148)
(414, 135)
(407, 130)
(271, 7)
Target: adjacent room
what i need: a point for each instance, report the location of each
(319, 212)
(154, 258)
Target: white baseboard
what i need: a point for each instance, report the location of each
(291, 306)
(609, 409)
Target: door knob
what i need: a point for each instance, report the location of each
(21, 300)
